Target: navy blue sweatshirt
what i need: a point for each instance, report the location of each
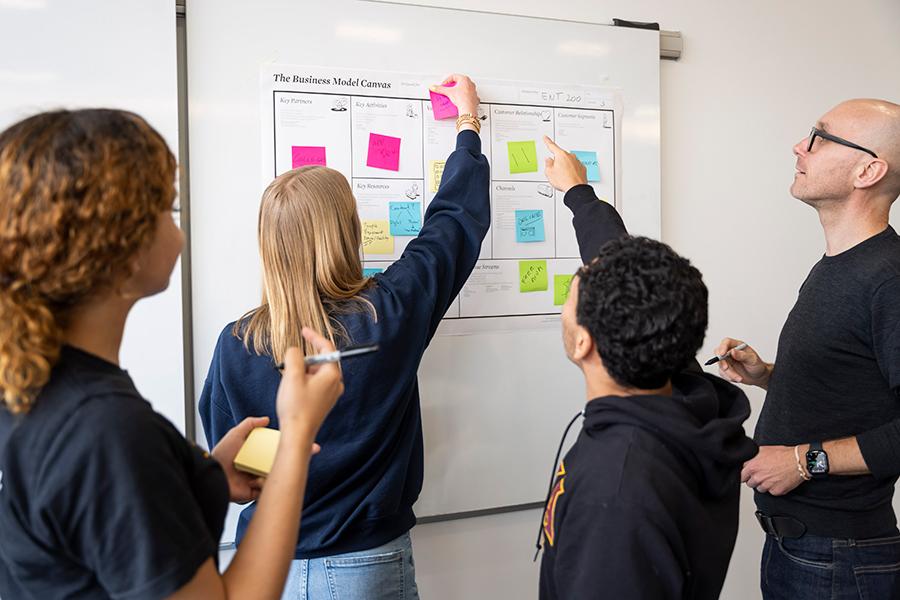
(645, 503)
(363, 484)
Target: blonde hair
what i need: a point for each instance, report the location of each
(80, 195)
(309, 240)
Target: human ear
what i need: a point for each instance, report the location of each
(873, 172)
(584, 344)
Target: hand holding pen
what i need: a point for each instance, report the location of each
(739, 363)
(335, 356)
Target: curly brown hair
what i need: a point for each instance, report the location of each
(80, 194)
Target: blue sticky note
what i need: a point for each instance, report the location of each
(589, 160)
(529, 226)
(368, 272)
(406, 218)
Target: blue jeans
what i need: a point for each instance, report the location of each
(818, 568)
(385, 572)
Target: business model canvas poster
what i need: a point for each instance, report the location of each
(379, 129)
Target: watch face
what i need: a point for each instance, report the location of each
(817, 461)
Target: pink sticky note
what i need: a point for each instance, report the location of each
(441, 105)
(307, 155)
(384, 152)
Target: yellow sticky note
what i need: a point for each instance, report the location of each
(258, 451)
(377, 238)
(436, 171)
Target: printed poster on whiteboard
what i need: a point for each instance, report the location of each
(379, 130)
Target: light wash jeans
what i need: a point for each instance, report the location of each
(385, 572)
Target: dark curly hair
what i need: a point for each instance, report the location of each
(646, 308)
(80, 194)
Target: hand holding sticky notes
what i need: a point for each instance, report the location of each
(441, 105)
(307, 155)
(384, 152)
(406, 218)
(258, 451)
(529, 226)
(377, 238)
(590, 162)
(532, 275)
(522, 157)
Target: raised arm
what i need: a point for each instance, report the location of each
(596, 222)
(436, 264)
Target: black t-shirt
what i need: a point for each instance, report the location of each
(837, 374)
(101, 497)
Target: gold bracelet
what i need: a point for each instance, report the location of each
(800, 468)
(470, 119)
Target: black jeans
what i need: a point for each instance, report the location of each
(818, 568)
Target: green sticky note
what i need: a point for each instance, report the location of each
(561, 288)
(532, 275)
(522, 157)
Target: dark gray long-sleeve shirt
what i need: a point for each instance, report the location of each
(837, 374)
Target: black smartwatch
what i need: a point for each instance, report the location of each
(817, 461)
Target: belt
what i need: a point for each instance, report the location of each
(781, 527)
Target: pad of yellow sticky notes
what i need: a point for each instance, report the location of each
(377, 238)
(258, 451)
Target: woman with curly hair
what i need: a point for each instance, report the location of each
(100, 496)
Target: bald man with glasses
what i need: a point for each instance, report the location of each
(829, 431)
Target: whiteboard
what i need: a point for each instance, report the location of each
(494, 399)
(57, 54)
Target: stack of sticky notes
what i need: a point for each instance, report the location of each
(258, 452)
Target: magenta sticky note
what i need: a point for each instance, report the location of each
(384, 152)
(441, 105)
(307, 155)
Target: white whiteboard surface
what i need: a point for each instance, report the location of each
(494, 403)
(96, 53)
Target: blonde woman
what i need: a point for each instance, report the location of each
(101, 497)
(362, 486)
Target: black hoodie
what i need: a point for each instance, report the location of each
(645, 503)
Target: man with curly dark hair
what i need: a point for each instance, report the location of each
(645, 503)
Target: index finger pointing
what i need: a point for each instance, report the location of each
(552, 147)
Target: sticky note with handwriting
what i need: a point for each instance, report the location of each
(522, 157)
(307, 155)
(589, 160)
(435, 173)
(441, 105)
(406, 218)
(384, 152)
(529, 226)
(377, 238)
(532, 275)
(561, 285)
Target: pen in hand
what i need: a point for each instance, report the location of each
(335, 356)
(719, 357)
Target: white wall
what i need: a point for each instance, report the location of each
(753, 78)
(95, 53)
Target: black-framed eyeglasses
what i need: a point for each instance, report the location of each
(816, 132)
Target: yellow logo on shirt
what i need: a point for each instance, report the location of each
(550, 512)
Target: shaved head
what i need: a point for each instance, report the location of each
(874, 124)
